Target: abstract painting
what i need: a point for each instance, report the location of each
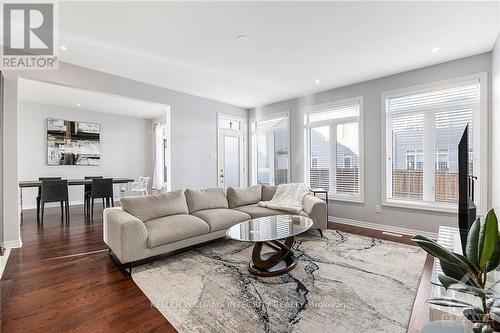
(73, 143)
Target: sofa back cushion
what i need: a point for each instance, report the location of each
(268, 192)
(207, 198)
(237, 197)
(150, 207)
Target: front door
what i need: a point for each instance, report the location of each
(231, 158)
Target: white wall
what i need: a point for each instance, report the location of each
(193, 129)
(371, 92)
(495, 127)
(125, 148)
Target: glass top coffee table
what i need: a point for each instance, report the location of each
(269, 231)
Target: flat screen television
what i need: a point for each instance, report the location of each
(466, 207)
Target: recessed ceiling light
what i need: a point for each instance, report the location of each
(317, 81)
(140, 113)
(78, 104)
(435, 49)
(64, 48)
(242, 37)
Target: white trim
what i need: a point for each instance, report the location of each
(381, 227)
(252, 165)
(3, 261)
(332, 104)
(12, 244)
(344, 198)
(360, 198)
(482, 133)
(429, 86)
(420, 205)
(168, 158)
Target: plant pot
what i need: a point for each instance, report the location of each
(476, 317)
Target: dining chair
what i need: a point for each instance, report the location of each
(40, 194)
(54, 191)
(102, 188)
(86, 195)
(141, 186)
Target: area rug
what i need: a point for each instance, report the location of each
(342, 283)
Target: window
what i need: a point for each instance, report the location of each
(348, 161)
(414, 159)
(229, 123)
(422, 129)
(270, 150)
(333, 141)
(442, 159)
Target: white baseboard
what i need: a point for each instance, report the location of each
(12, 244)
(382, 227)
(3, 261)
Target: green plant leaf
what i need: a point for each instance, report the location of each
(495, 258)
(472, 268)
(454, 271)
(448, 302)
(454, 284)
(488, 235)
(441, 253)
(472, 243)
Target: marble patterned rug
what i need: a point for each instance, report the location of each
(342, 283)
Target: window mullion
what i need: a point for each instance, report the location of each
(429, 170)
(333, 157)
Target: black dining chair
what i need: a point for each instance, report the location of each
(40, 194)
(101, 189)
(54, 191)
(86, 195)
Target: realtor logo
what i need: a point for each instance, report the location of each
(29, 36)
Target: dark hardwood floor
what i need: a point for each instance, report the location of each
(62, 279)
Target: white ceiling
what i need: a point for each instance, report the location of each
(192, 46)
(74, 98)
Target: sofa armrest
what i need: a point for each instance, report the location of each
(125, 234)
(316, 209)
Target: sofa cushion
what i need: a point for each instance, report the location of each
(255, 211)
(207, 198)
(221, 218)
(268, 192)
(243, 196)
(174, 228)
(151, 207)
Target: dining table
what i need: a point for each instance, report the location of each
(71, 182)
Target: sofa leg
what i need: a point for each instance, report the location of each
(320, 232)
(127, 268)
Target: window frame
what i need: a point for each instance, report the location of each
(480, 142)
(360, 198)
(252, 157)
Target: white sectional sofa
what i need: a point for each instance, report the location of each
(148, 226)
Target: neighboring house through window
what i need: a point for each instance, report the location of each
(333, 148)
(270, 138)
(422, 127)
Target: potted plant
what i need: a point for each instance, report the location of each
(468, 274)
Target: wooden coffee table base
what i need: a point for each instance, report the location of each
(274, 263)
